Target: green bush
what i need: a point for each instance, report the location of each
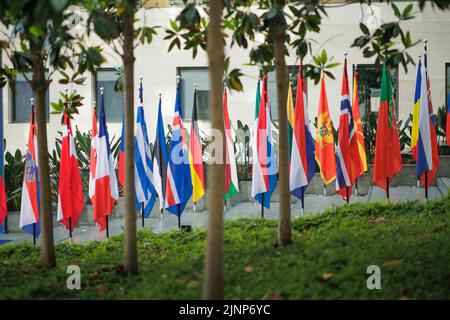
(410, 242)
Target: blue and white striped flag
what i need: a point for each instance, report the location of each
(143, 165)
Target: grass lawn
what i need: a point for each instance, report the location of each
(410, 242)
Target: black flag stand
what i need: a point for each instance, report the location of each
(179, 216)
(262, 206)
(387, 188)
(143, 216)
(34, 233)
(347, 194)
(426, 185)
(107, 227)
(70, 229)
(302, 211)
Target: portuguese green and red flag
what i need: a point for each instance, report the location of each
(388, 159)
(230, 177)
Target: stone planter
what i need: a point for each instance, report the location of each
(14, 221)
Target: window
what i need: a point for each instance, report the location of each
(272, 89)
(114, 102)
(369, 87)
(21, 93)
(447, 84)
(190, 77)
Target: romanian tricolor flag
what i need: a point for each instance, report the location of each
(415, 115)
(325, 155)
(359, 129)
(230, 177)
(388, 159)
(196, 157)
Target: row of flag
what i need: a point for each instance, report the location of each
(176, 178)
(347, 160)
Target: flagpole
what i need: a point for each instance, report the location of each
(262, 206)
(347, 193)
(107, 227)
(426, 186)
(302, 211)
(179, 216)
(356, 187)
(143, 217)
(387, 188)
(324, 189)
(70, 229)
(195, 206)
(34, 233)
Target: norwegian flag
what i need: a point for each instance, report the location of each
(70, 192)
(347, 158)
(103, 189)
(178, 180)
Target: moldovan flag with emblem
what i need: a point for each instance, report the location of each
(388, 158)
(179, 183)
(302, 151)
(359, 128)
(103, 188)
(70, 192)
(264, 169)
(347, 161)
(325, 154)
(230, 178)
(30, 207)
(427, 150)
(196, 157)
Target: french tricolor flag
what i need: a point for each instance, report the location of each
(29, 208)
(103, 189)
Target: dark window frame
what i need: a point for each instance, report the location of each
(191, 68)
(12, 100)
(446, 84)
(397, 89)
(96, 89)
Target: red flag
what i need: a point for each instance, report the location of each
(388, 159)
(70, 197)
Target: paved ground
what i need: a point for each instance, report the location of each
(313, 204)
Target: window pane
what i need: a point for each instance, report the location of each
(21, 100)
(369, 88)
(113, 99)
(200, 77)
(272, 89)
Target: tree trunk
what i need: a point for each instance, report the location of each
(284, 224)
(213, 288)
(130, 248)
(39, 85)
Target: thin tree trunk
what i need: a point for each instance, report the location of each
(284, 224)
(213, 288)
(130, 249)
(39, 85)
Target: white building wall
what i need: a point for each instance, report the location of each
(158, 67)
